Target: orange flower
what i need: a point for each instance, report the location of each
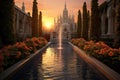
(104, 51)
(26, 48)
(110, 53)
(86, 47)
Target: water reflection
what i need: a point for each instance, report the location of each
(66, 65)
(58, 64)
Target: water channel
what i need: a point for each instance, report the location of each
(58, 64)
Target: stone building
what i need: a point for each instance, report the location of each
(67, 23)
(107, 15)
(23, 23)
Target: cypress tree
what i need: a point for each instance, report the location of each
(7, 22)
(79, 24)
(88, 18)
(95, 27)
(35, 19)
(40, 24)
(85, 22)
(117, 30)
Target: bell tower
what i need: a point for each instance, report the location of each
(65, 13)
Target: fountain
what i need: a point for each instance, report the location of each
(60, 39)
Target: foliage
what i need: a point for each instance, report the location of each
(85, 22)
(95, 27)
(101, 51)
(79, 24)
(35, 30)
(40, 24)
(11, 54)
(7, 27)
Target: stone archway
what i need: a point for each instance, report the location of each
(66, 31)
(110, 20)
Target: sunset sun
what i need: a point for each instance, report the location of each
(48, 25)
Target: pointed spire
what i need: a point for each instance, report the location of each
(65, 6)
(23, 6)
(35, 1)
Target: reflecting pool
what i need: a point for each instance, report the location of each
(58, 64)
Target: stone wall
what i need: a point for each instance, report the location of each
(107, 13)
(23, 24)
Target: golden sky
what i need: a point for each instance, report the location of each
(53, 8)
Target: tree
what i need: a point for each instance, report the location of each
(95, 27)
(40, 24)
(85, 22)
(35, 20)
(7, 22)
(117, 30)
(88, 18)
(79, 24)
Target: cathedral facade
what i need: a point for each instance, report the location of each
(66, 23)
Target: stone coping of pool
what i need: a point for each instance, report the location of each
(16, 67)
(102, 68)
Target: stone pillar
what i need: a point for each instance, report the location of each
(23, 31)
(17, 27)
(30, 24)
(110, 25)
(103, 23)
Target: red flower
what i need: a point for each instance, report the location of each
(110, 53)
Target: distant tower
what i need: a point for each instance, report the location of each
(23, 7)
(65, 14)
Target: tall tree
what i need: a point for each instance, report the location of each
(35, 19)
(95, 27)
(7, 22)
(79, 24)
(88, 18)
(40, 24)
(117, 29)
(85, 22)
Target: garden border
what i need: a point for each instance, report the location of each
(102, 68)
(16, 67)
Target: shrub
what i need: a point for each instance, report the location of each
(11, 54)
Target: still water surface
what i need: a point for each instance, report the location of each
(56, 64)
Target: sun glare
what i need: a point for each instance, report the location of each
(48, 25)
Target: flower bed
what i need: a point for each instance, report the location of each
(101, 51)
(11, 54)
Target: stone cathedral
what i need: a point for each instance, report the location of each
(67, 23)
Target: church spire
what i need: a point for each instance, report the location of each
(65, 13)
(65, 7)
(65, 4)
(23, 6)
